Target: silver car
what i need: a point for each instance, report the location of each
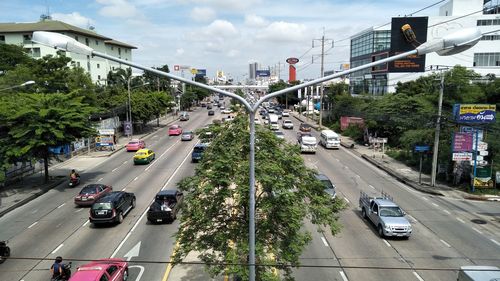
(187, 136)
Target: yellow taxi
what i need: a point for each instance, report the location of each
(144, 156)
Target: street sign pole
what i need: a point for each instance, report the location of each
(420, 170)
(475, 158)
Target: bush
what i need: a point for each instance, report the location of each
(355, 133)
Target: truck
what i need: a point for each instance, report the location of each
(386, 216)
(273, 122)
(165, 206)
(307, 142)
(478, 273)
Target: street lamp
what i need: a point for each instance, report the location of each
(27, 83)
(130, 104)
(447, 45)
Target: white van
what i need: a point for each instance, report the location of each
(478, 273)
(329, 139)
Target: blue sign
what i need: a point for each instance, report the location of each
(317, 106)
(201, 72)
(474, 113)
(422, 148)
(262, 73)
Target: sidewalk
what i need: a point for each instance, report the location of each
(399, 170)
(30, 187)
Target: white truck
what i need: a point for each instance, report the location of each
(273, 122)
(386, 215)
(308, 143)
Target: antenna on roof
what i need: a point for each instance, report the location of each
(46, 16)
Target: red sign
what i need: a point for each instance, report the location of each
(292, 73)
(346, 121)
(176, 67)
(292, 60)
(462, 142)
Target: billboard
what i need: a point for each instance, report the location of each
(201, 72)
(405, 39)
(346, 121)
(462, 142)
(262, 73)
(474, 113)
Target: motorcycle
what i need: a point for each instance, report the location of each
(74, 181)
(66, 273)
(4, 251)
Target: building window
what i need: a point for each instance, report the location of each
(76, 38)
(27, 38)
(488, 22)
(112, 48)
(126, 51)
(98, 66)
(119, 51)
(487, 59)
(78, 64)
(96, 42)
(87, 41)
(490, 37)
(33, 52)
(98, 77)
(2, 38)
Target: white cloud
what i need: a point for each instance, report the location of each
(117, 9)
(179, 51)
(233, 53)
(220, 29)
(202, 14)
(74, 19)
(255, 21)
(284, 32)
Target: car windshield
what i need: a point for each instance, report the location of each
(187, 133)
(132, 142)
(391, 212)
(173, 128)
(88, 190)
(140, 153)
(101, 206)
(198, 149)
(328, 184)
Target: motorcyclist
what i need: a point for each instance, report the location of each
(74, 175)
(57, 269)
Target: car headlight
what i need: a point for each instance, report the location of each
(387, 227)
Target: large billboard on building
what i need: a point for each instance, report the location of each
(262, 73)
(406, 34)
(474, 113)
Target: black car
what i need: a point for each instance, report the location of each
(166, 206)
(198, 152)
(211, 112)
(112, 207)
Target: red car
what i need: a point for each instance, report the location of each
(104, 269)
(174, 130)
(90, 193)
(135, 144)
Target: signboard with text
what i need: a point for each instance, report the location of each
(262, 73)
(462, 142)
(474, 113)
(400, 44)
(461, 156)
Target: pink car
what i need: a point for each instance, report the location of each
(135, 144)
(103, 269)
(174, 130)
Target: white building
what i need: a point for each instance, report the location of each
(98, 68)
(483, 58)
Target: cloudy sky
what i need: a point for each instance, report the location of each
(225, 35)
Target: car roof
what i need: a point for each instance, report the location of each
(110, 196)
(202, 145)
(321, 177)
(167, 192)
(175, 126)
(385, 202)
(142, 150)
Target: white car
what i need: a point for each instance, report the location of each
(226, 111)
(257, 121)
(287, 124)
(285, 113)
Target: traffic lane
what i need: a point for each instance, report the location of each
(317, 253)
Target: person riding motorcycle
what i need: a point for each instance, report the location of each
(74, 174)
(57, 269)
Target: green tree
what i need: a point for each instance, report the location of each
(38, 121)
(12, 55)
(215, 214)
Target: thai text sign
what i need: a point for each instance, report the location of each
(474, 113)
(462, 142)
(461, 156)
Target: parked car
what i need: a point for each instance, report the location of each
(144, 156)
(198, 152)
(187, 136)
(165, 207)
(90, 193)
(104, 269)
(112, 207)
(174, 130)
(287, 124)
(304, 127)
(211, 113)
(135, 144)
(184, 116)
(327, 183)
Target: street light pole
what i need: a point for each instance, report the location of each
(130, 108)
(447, 45)
(31, 82)
(436, 134)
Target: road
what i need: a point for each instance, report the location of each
(444, 237)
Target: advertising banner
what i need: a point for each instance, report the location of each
(461, 156)
(473, 131)
(483, 172)
(405, 39)
(483, 182)
(346, 121)
(262, 73)
(474, 113)
(462, 142)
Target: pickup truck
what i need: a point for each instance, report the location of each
(386, 215)
(307, 142)
(165, 207)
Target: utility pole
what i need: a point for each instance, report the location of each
(436, 135)
(321, 75)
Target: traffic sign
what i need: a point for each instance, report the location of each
(422, 148)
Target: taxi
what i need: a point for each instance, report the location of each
(144, 156)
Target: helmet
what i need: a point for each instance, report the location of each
(73, 170)
(59, 259)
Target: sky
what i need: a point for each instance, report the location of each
(225, 35)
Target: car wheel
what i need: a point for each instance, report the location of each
(363, 213)
(125, 275)
(380, 231)
(120, 217)
(133, 203)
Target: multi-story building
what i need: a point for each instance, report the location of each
(252, 70)
(98, 68)
(484, 58)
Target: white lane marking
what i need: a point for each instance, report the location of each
(79, 210)
(386, 243)
(34, 211)
(345, 167)
(61, 205)
(136, 178)
(125, 162)
(57, 249)
(324, 241)
(435, 204)
(496, 242)
(460, 220)
(146, 210)
(412, 218)
(114, 169)
(444, 242)
(100, 179)
(140, 272)
(342, 274)
(59, 225)
(347, 200)
(446, 211)
(477, 230)
(123, 189)
(425, 198)
(418, 276)
(85, 223)
(338, 160)
(151, 165)
(358, 176)
(371, 186)
(33, 224)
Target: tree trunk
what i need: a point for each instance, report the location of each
(158, 120)
(46, 166)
